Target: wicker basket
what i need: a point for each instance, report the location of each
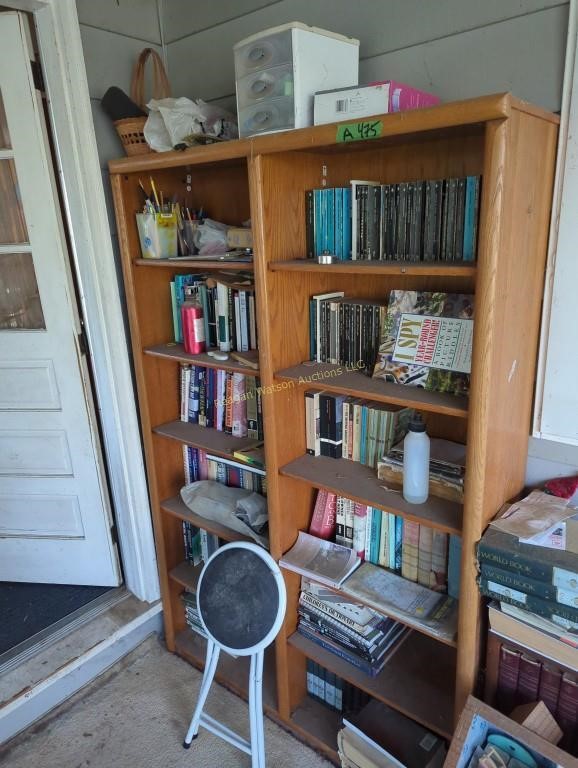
(131, 134)
(131, 129)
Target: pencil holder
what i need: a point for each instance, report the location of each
(158, 235)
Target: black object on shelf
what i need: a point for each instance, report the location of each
(119, 106)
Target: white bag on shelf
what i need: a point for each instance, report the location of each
(173, 121)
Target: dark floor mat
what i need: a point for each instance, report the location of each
(26, 609)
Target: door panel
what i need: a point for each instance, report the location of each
(55, 518)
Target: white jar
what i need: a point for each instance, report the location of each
(416, 462)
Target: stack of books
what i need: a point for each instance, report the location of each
(343, 427)
(226, 401)
(411, 221)
(228, 309)
(447, 468)
(357, 634)
(418, 552)
(345, 331)
(189, 598)
(331, 691)
(199, 465)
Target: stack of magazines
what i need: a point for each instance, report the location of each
(192, 618)
(350, 630)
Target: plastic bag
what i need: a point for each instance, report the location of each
(211, 237)
(175, 121)
(228, 506)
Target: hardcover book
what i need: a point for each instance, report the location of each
(408, 354)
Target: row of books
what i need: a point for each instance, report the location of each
(333, 692)
(345, 331)
(228, 304)
(339, 427)
(199, 465)
(199, 543)
(535, 578)
(227, 401)
(189, 599)
(524, 678)
(411, 221)
(419, 553)
(355, 633)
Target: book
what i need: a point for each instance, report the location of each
(252, 454)
(503, 550)
(403, 600)
(420, 306)
(354, 615)
(533, 638)
(324, 561)
(528, 679)
(529, 586)
(323, 521)
(409, 550)
(538, 605)
(508, 672)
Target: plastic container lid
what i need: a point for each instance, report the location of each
(295, 25)
(417, 424)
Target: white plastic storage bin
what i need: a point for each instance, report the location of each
(279, 70)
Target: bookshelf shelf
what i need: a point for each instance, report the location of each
(512, 146)
(232, 673)
(186, 574)
(206, 264)
(177, 508)
(336, 378)
(432, 269)
(176, 352)
(420, 691)
(206, 438)
(360, 483)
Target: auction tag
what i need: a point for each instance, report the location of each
(366, 129)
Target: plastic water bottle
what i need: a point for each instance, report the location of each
(416, 462)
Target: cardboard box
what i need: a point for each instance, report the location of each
(478, 721)
(365, 100)
(239, 237)
(536, 717)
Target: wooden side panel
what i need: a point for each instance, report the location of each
(516, 200)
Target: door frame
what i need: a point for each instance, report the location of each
(62, 61)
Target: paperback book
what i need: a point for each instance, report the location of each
(323, 561)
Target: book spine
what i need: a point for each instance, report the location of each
(327, 609)
(251, 400)
(508, 672)
(202, 397)
(439, 561)
(424, 556)
(399, 526)
(359, 529)
(356, 661)
(528, 680)
(349, 515)
(515, 562)
(340, 521)
(409, 557)
(520, 583)
(528, 602)
(310, 224)
(383, 557)
(549, 688)
(567, 710)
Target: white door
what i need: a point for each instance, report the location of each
(55, 521)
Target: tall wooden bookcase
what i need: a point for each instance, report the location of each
(512, 145)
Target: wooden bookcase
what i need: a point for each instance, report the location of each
(512, 145)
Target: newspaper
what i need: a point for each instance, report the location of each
(534, 517)
(322, 560)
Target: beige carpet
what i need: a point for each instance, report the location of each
(136, 715)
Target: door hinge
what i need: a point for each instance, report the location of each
(83, 343)
(37, 76)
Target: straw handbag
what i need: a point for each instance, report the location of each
(131, 129)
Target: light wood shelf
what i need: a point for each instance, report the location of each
(177, 507)
(319, 725)
(196, 264)
(176, 352)
(206, 438)
(407, 683)
(340, 379)
(186, 574)
(360, 483)
(385, 268)
(512, 145)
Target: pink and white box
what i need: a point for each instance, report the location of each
(365, 100)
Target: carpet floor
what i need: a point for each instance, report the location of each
(136, 716)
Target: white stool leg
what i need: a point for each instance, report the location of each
(210, 667)
(256, 711)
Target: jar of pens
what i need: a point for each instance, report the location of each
(166, 229)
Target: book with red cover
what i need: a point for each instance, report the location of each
(528, 680)
(549, 689)
(323, 519)
(567, 711)
(508, 672)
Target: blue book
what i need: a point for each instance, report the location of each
(338, 219)
(174, 310)
(391, 540)
(181, 282)
(194, 395)
(346, 202)
(312, 329)
(398, 541)
(330, 225)
(454, 565)
(318, 221)
(363, 436)
(375, 536)
(356, 661)
(471, 217)
(211, 388)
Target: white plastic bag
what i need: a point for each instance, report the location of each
(172, 121)
(211, 237)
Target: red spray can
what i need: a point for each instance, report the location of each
(193, 327)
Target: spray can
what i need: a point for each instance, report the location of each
(193, 326)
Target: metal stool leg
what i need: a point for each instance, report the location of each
(256, 711)
(210, 667)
